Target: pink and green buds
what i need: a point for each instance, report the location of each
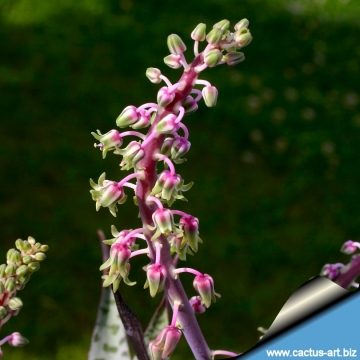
(133, 117)
(143, 120)
(166, 146)
(112, 140)
(164, 222)
(350, 247)
(175, 44)
(222, 25)
(128, 117)
(242, 24)
(210, 95)
(233, 58)
(156, 276)
(16, 339)
(189, 105)
(120, 255)
(15, 304)
(112, 193)
(168, 125)
(331, 271)
(199, 33)
(204, 285)
(153, 74)
(197, 304)
(242, 37)
(173, 61)
(213, 57)
(214, 36)
(165, 96)
(166, 184)
(190, 226)
(179, 147)
(132, 154)
(169, 187)
(165, 343)
(107, 194)
(179, 245)
(3, 312)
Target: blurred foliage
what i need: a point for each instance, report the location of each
(275, 163)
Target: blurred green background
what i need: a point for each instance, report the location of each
(275, 163)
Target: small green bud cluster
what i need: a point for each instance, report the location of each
(20, 264)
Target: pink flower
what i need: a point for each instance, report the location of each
(197, 305)
(156, 276)
(204, 285)
(16, 339)
(350, 247)
(331, 271)
(165, 343)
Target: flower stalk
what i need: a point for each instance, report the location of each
(155, 193)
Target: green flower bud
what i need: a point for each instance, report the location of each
(127, 117)
(37, 246)
(214, 36)
(10, 270)
(18, 244)
(199, 33)
(27, 259)
(213, 57)
(153, 74)
(10, 284)
(243, 37)
(166, 146)
(3, 312)
(210, 95)
(15, 257)
(242, 24)
(9, 254)
(40, 256)
(26, 246)
(175, 44)
(24, 279)
(44, 248)
(233, 58)
(2, 288)
(21, 270)
(173, 61)
(222, 25)
(15, 303)
(33, 266)
(2, 271)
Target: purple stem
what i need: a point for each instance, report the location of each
(132, 233)
(173, 287)
(349, 273)
(178, 212)
(148, 105)
(168, 161)
(186, 132)
(127, 178)
(156, 201)
(199, 94)
(139, 252)
(224, 352)
(5, 339)
(188, 270)
(175, 313)
(133, 133)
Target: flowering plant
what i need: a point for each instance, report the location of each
(14, 275)
(168, 234)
